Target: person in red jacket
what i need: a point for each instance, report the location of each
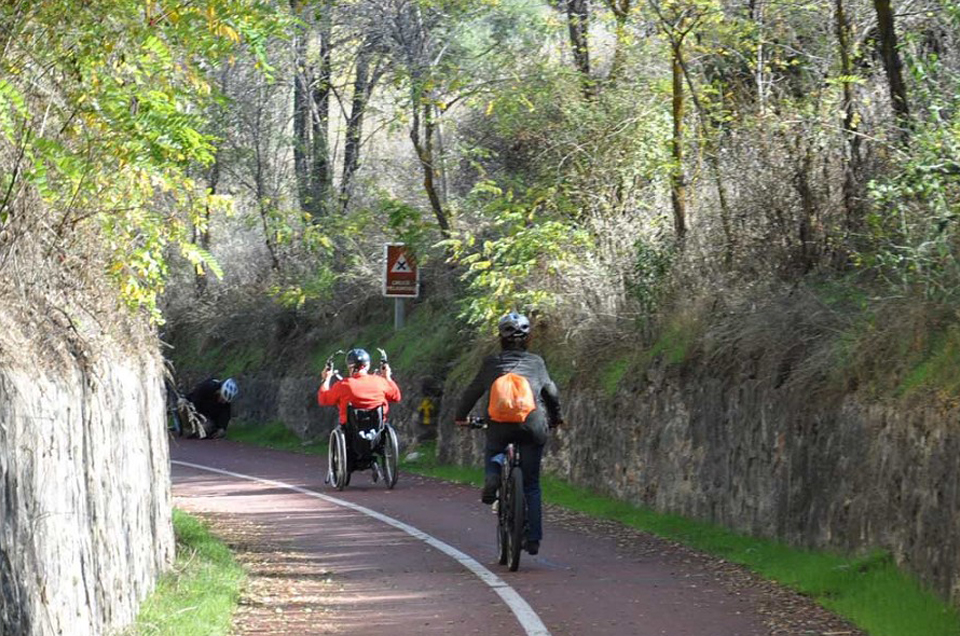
(362, 390)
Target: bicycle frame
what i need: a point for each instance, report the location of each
(511, 505)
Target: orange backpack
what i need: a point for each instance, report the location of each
(511, 399)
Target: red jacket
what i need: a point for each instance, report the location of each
(364, 391)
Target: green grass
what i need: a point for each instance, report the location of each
(868, 590)
(427, 340)
(675, 341)
(613, 373)
(274, 435)
(222, 360)
(200, 594)
(426, 464)
(938, 368)
(243, 358)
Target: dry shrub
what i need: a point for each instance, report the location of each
(57, 300)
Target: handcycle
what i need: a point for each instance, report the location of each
(373, 443)
(511, 507)
(183, 418)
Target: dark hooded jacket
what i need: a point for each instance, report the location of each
(206, 399)
(533, 368)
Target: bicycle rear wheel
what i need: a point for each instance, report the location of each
(503, 518)
(515, 517)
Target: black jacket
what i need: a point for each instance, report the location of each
(530, 366)
(206, 399)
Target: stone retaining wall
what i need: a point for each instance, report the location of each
(840, 473)
(84, 494)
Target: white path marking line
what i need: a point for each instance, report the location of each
(527, 618)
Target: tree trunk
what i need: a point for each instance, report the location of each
(424, 148)
(322, 180)
(891, 60)
(852, 161)
(363, 84)
(808, 243)
(301, 111)
(757, 15)
(202, 238)
(260, 185)
(621, 11)
(677, 189)
(712, 157)
(578, 21)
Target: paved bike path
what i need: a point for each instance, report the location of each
(582, 583)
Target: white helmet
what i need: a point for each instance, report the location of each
(229, 390)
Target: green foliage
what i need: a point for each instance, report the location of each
(406, 223)
(650, 270)
(312, 276)
(426, 343)
(615, 371)
(914, 222)
(936, 366)
(244, 357)
(316, 285)
(520, 267)
(200, 595)
(98, 104)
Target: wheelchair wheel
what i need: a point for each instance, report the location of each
(391, 453)
(337, 472)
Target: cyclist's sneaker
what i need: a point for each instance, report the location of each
(495, 508)
(532, 547)
(490, 485)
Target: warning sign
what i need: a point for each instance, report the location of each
(401, 279)
(400, 265)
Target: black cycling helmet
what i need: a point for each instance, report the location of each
(514, 326)
(357, 359)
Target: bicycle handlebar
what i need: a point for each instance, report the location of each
(329, 363)
(476, 421)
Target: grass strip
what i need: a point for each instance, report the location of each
(275, 435)
(200, 594)
(870, 590)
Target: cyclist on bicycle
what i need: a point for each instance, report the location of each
(531, 433)
(362, 390)
(212, 399)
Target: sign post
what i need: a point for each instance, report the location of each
(401, 278)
